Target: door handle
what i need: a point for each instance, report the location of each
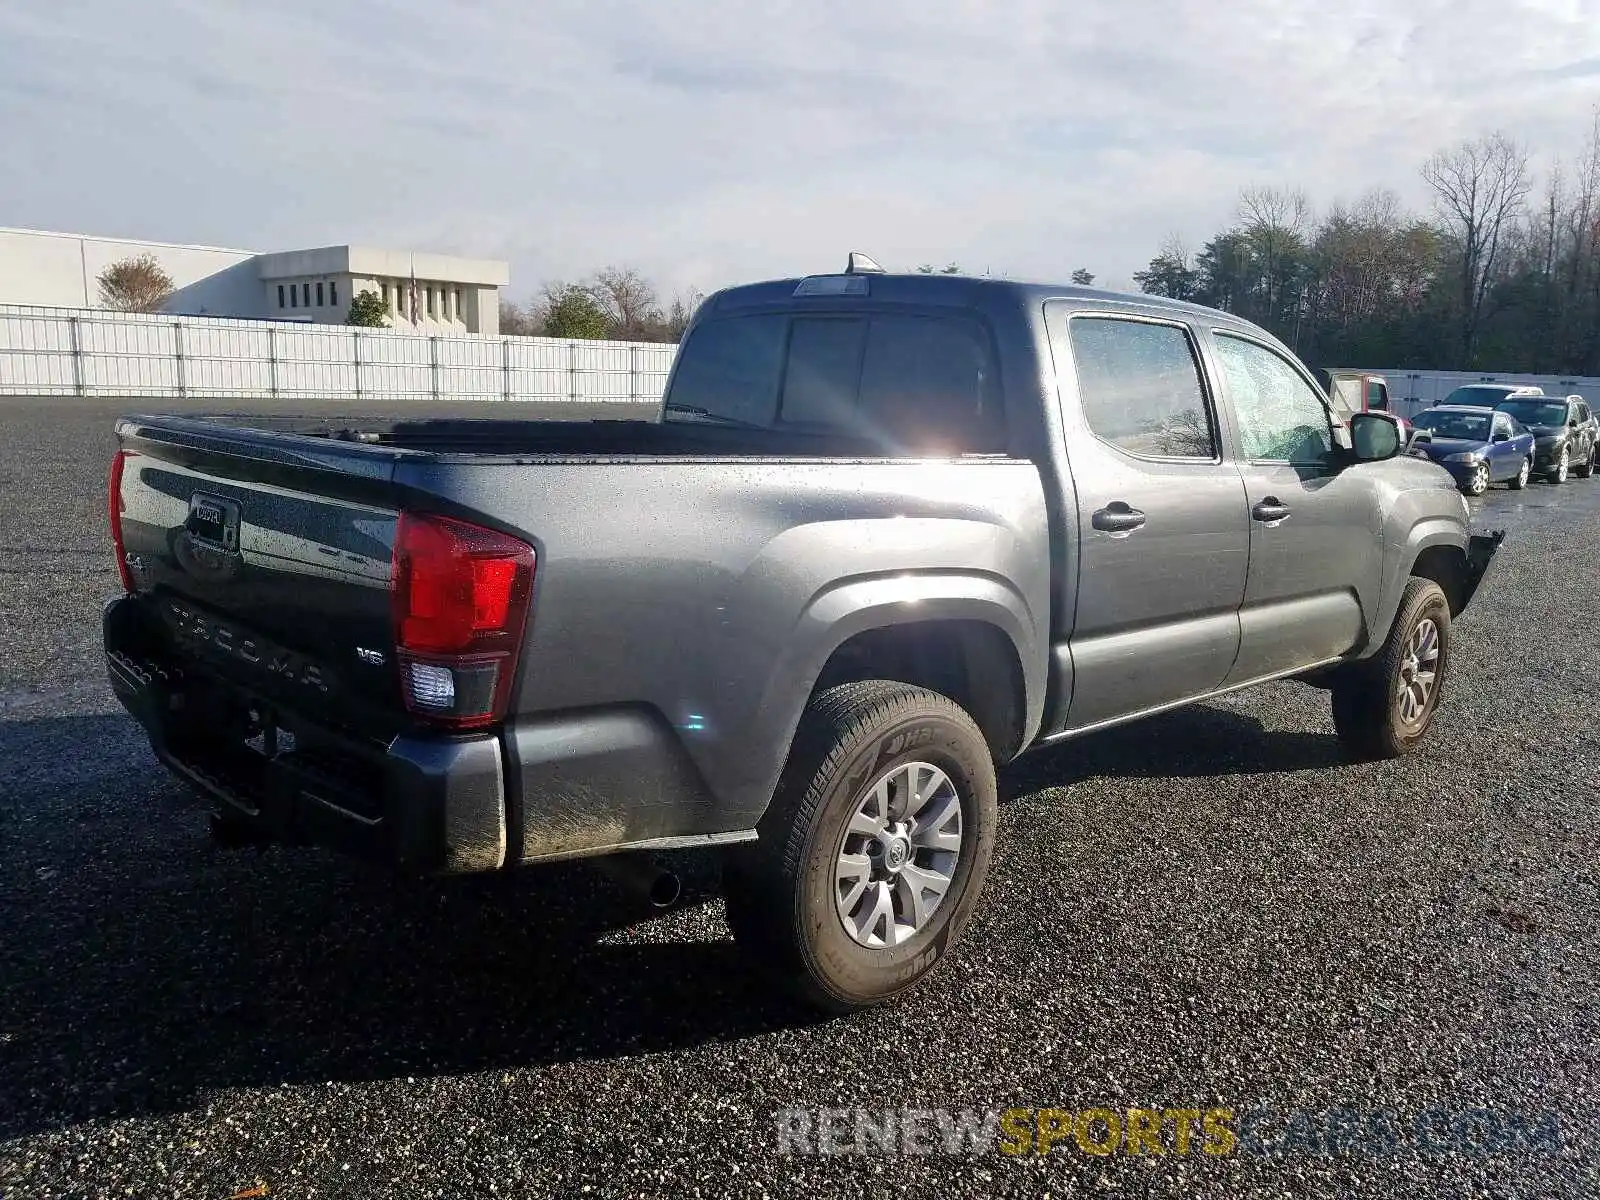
(1117, 518)
(1270, 511)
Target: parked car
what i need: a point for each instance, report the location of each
(1487, 395)
(890, 532)
(1566, 434)
(1478, 446)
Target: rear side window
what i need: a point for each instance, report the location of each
(1140, 387)
(910, 381)
(730, 368)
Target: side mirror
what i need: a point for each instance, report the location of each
(1374, 436)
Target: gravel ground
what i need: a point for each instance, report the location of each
(1209, 910)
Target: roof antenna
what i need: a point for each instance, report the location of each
(860, 264)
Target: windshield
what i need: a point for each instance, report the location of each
(1468, 426)
(1536, 412)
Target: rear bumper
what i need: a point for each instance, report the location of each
(564, 786)
(433, 805)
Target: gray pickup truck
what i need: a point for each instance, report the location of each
(888, 533)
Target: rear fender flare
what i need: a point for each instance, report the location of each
(840, 612)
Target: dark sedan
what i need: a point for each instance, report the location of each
(1478, 446)
(1566, 434)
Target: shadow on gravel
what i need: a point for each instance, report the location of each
(1190, 743)
(152, 967)
(141, 966)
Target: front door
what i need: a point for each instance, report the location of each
(1162, 530)
(1316, 546)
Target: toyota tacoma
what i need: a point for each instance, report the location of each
(884, 534)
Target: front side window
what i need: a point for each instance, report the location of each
(1140, 387)
(1377, 396)
(1281, 417)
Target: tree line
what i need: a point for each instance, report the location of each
(1503, 273)
(616, 302)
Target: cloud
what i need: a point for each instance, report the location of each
(726, 140)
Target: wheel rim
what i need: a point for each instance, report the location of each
(1480, 478)
(898, 857)
(1419, 672)
(1522, 475)
(1561, 466)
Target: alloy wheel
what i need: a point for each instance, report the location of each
(898, 857)
(1419, 669)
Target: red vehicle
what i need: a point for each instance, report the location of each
(1358, 391)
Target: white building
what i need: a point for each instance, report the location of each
(453, 295)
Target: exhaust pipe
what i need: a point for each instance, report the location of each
(641, 875)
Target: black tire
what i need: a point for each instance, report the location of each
(1587, 469)
(1559, 472)
(1367, 702)
(782, 889)
(1520, 479)
(1479, 483)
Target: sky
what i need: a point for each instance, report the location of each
(722, 141)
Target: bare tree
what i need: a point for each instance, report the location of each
(682, 312)
(519, 320)
(629, 302)
(1275, 222)
(135, 285)
(1479, 187)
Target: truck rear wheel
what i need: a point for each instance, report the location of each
(1384, 705)
(874, 849)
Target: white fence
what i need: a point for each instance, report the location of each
(89, 352)
(1413, 391)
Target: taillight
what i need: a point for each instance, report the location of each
(114, 510)
(460, 607)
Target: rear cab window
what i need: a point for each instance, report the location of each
(913, 382)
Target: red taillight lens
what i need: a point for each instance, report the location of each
(114, 510)
(460, 607)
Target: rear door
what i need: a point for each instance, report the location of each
(1162, 528)
(1316, 548)
(1587, 430)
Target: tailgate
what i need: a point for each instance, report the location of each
(268, 557)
